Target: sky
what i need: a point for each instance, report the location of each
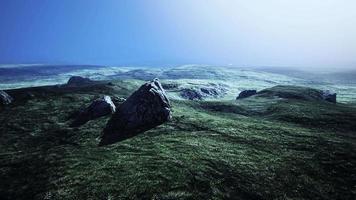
(299, 33)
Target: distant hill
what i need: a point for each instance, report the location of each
(39, 70)
(345, 77)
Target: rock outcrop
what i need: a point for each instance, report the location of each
(145, 109)
(75, 81)
(191, 94)
(5, 98)
(207, 91)
(98, 108)
(329, 96)
(246, 93)
(211, 91)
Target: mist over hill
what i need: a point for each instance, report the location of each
(346, 76)
(236, 78)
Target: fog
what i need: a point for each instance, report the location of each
(318, 34)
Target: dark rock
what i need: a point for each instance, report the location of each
(98, 108)
(110, 84)
(5, 98)
(191, 94)
(246, 93)
(79, 81)
(145, 109)
(329, 96)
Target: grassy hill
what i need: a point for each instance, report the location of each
(261, 147)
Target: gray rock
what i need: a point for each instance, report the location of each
(214, 90)
(5, 98)
(79, 81)
(191, 94)
(145, 109)
(207, 91)
(246, 93)
(98, 108)
(329, 96)
(210, 91)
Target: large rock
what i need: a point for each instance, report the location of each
(79, 81)
(246, 93)
(98, 108)
(145, 109)
(5, 98)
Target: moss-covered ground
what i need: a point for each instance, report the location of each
(250, 149)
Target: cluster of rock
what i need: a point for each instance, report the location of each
(149, 106)
(199, 93)
(5, 99)
(191, 94)
(146, 108)
(98, 108)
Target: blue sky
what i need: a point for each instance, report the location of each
(301, 33)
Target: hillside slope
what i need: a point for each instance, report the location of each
(256, 148)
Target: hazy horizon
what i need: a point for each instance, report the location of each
(293, 34)
(273, 69)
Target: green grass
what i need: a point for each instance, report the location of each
(209, 150)
(295, 92)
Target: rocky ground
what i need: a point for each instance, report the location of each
(281, 143)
